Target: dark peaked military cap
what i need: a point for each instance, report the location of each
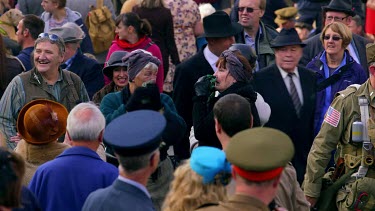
(135, 133)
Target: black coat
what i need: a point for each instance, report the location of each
(90, 72)
(270, 84)
(314, 47)
(187, 73)
(203, 116)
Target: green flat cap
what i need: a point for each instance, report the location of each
(260, 149)
(370, 52)
(285, 14)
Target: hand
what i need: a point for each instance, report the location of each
(203, 87)
(145, 98)
(311, 200)
(16, 138)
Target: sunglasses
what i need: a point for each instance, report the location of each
(334, 38)
(330, 18)
(52, 37)
(248, 9)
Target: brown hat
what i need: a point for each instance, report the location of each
(370, 52)
(42, 121)
(285, 14)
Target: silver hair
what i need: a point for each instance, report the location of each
(85, 122)
(60, 43)
(151, 66)
(135, 163)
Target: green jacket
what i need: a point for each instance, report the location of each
(332, 136)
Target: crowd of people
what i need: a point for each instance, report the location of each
(195, 105)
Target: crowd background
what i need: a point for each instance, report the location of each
(199, 65)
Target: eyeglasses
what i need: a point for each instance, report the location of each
(334, 38)
(52, 37)
(248, 9)
(330, 18)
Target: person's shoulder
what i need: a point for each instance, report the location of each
(111, 97)
(73, 15)
(313, 40)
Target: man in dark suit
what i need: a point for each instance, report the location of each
(88, 69)
(340, 11)
(219, 33)
(135, 138)
(290, 91)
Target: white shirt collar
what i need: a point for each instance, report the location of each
(210, 57)
(284, 73)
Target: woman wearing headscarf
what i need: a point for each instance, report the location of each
(232, 76)
(141, 93)
(334, 68)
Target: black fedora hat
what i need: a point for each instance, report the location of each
(285, 38)
(218, 24)
(344, 6)
(115, 60)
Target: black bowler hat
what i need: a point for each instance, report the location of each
(135, 133)
(344, 6)
(218, 24)
(285, 38)
(115, 60)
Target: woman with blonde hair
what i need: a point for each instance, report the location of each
(200, 182)
(335, 68)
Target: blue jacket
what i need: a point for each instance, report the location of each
(90, 72)
(25, 57)
(353, 75)
(65, 182)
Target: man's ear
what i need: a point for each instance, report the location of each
(371, 70)
(218, 127)
(100, 137)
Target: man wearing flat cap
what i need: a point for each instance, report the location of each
(142, 93)
(289, 90)
(219, 32)
(258, 157)
(338, 11)
(286, 18)
(351, 107)
(89, 70)
(135, 137)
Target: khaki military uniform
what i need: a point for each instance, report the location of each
(238, 203)
(338, 137)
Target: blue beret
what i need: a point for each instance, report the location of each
(208, 162)
(135, 133)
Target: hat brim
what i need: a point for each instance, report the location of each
(62, 115)
(278, 45)
(108, 70)
(235, 29)
(72, 40)
(349, 12)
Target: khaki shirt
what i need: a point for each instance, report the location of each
(333, 136)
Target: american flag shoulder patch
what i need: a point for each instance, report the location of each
(332, 117)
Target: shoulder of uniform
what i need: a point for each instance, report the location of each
(348, 91)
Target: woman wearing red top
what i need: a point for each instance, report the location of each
(132, 33)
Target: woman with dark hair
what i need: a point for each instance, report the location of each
(334, 68)
(133, 33)
(10, 66)
(233, 76)
(161, 22)
(12, 195)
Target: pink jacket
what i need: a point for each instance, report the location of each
(153, 49)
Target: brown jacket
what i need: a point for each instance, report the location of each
(238, 203)
(36, 155)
